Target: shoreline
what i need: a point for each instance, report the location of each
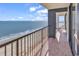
(15, 36)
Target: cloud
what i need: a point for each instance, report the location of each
(39, 6)
(16, 19)
(41, 14)
(34, 8)
(43, 11)
(40, 18)
(20, 17)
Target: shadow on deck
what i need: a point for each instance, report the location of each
(61, 47)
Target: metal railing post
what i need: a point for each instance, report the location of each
(17, 48)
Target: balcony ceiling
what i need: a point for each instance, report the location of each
(55, 5)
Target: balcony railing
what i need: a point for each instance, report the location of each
(31, 44)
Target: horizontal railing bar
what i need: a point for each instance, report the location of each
(7, 41)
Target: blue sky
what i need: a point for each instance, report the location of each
(23, 12)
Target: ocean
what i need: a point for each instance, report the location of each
(13, 27)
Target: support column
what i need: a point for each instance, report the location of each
(77, 21)
(51, 24)
(51, 31)
(65, 22)
(57, 21)
(70, 28)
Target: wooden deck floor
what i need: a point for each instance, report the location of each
(61, 47)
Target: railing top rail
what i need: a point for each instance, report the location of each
(5, 42)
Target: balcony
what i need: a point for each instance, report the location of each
(34, 43)
(47, 41)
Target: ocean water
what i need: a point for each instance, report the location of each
(12, 27)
